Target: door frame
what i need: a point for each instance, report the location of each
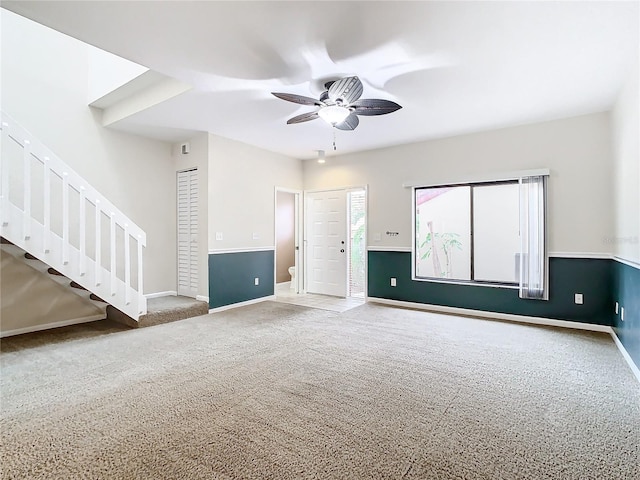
(298, 235)
(347, 190)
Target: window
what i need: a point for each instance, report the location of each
(468, 233)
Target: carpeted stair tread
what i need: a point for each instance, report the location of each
(77, 285)
(96, 298)
(53, 271)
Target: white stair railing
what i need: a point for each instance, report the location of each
(50, 211)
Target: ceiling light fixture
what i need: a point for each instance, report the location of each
(334, 114)
(321, 158)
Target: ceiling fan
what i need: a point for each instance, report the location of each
(340, 104)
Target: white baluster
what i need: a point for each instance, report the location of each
(140, 294)
(83, 233)
(65, 218)
(26, 218)
(112, 254)
(46, 197)
(4, 181)
(127, 265)
(98, 243)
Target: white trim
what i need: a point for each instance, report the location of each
(388, 249)
(202, 298)
(494, 315)
(600, 256)
(48, 326)
(625, 355)
(168, 293)
(241, 250)
(333, 189)
(488, 177)
(242, 304)
(631, 263)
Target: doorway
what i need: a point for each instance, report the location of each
(187, 212)
(287, 241)
(335, 240)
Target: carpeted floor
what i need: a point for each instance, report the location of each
(280, 391)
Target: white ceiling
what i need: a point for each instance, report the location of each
(455, 67)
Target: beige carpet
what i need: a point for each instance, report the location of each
(277, 391)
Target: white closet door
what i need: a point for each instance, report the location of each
(187, 189)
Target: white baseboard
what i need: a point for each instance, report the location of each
(168, 293)
(625, 355)
(494, 315)
(202, 298)
(242, 304)
(518, 319)
(48, 326)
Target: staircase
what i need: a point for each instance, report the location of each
(60, 225)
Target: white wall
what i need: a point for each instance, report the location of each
(44, 87)
(577, 150)
(242, 181)
(198, 157)
(625, 239)
(31, 299)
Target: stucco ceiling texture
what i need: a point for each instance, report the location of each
(455, 67)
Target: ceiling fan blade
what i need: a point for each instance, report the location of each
(349, 123)
(305, 117)
(347, 90)
(373, 106)
(291, 97)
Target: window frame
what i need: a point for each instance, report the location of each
(414, 246)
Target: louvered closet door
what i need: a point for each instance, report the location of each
(188, 233)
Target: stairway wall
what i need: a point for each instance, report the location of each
(44, 86)
(30, 299)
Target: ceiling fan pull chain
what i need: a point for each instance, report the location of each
(334, 140)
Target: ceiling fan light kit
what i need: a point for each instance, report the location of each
(333, 114)
(340, 104)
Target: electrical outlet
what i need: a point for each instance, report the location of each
(393, 282)
(617, 308)
(377, 237)
(256, 281)
(256, 236)
(622, 313)
(218, 236)
(578, 299)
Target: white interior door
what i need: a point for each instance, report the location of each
(187, 189)
(326, 234)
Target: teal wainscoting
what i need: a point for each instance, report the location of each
(626, 291)
(567, 276)
(232, 275)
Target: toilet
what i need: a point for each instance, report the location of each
(292, 272)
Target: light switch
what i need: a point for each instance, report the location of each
(393, 282)
(256, 281)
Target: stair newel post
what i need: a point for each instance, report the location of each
(98, 243)
(26, 165)
(112, 253)
(4, 177)
(127, 265)
(83, 232)
(46, 197)
(65, 218)
(140, 294)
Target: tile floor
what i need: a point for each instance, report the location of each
(284, 294)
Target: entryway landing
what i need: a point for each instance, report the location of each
(284, 294)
